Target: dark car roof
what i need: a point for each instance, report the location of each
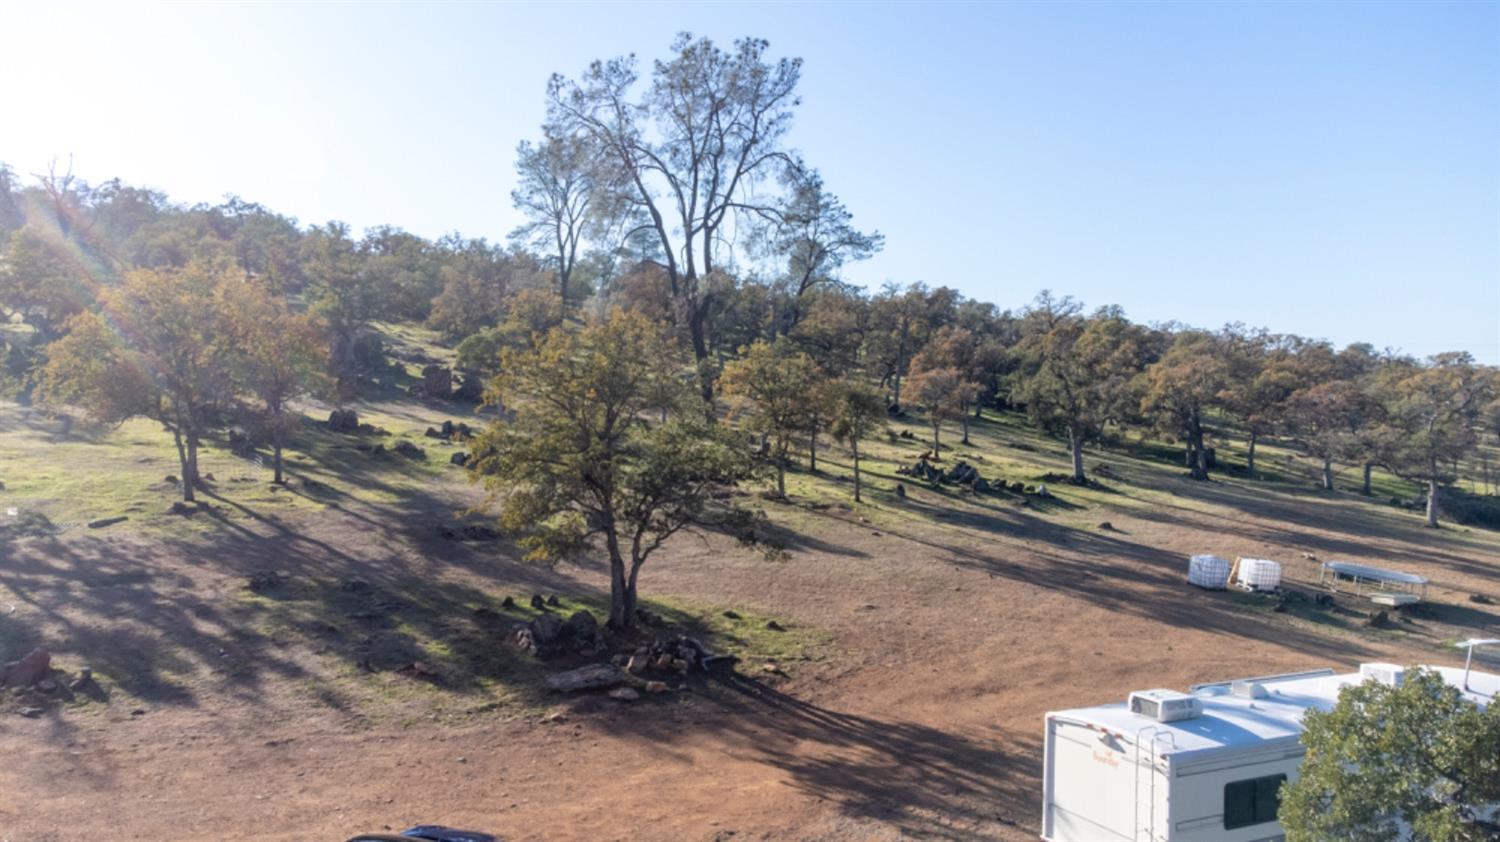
(430, 832)
(438, 833)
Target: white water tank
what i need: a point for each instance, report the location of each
(1259, 574)
(1208, 571)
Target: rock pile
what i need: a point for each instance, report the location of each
(548, 634)
(677, 654)
(961, 474)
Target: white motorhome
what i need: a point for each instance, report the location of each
(1205, 766)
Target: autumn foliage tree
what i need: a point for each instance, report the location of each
(857, 412)
(163, 355)
(1178, 390)
(945, 395)
(1077, 376)
(774, 386)
(275, 357)
(580, 456)
(1432, 414)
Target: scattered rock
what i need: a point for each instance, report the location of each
(47, 685)
(1378, 618)
(138, 712)
(637, 664)
(84, 683)
(107, 521)
(591, 677)
(772, 625)
(900, 491)
(343, 421)
(420, 669)
(1480, 599)
(30, 713)
(554, 601)
(625, 694)
(409, 450)
(1106, 526)
(1309, 556)
(582, 624)
(680, 665)
(538, 602)
(731, 615)
(649, 618)
(170, 479)
(263, 581)
(546, 629)
(772, 669)
(656, 687)
(437, 381)
(28, 670)
(508, 603)
(469, 532)
(460, 459)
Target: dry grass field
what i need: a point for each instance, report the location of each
(917, 641)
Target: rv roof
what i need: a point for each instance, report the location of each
(1236, 721)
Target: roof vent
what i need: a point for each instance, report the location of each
(1165, 705)
(1248, 689)
(1390, 675)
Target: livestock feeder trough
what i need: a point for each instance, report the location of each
(1393, 588)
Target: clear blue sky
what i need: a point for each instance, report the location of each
(1326, 169)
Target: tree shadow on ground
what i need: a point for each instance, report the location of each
(925, 781)
(1106, 570)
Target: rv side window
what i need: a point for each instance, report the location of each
(1252, 802)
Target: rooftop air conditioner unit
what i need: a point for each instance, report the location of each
(1390, 675)
(1248, 689)
(1165, 705)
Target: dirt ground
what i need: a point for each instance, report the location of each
(947, 631)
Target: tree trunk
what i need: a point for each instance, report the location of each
(965, 422)
(1367, 490)
(812, 452)
(1432, 494)
(1327, 474)
(781, 476)
(937, 447)
(276, 461)
(855, 447)
(185, 467)
(1075, 445)
(1197, 455)
(896, 388)
(621, 598)
(697, 328)
(1250, 459)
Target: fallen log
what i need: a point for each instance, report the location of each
(591, 677)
